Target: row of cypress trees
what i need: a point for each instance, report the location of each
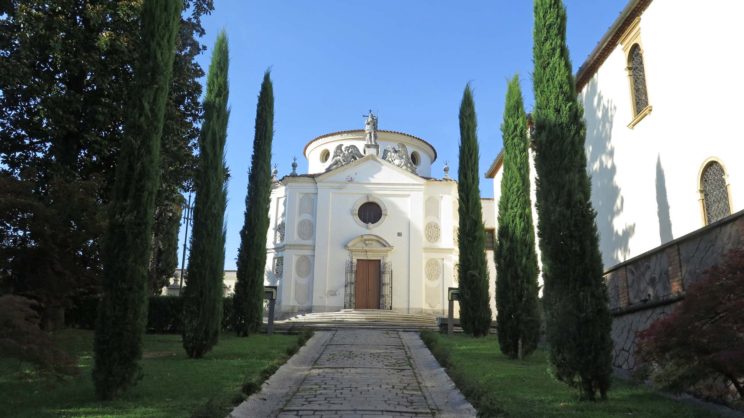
(203, 292)
(126, 254)
(252, 251)
(518, 319)
(575, 296)
(475, 310)
(122, 312)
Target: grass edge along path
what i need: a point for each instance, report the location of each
(500, 387)
(173, 385)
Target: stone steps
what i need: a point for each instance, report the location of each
(366, 319)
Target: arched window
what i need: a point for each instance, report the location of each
(637, 79)
(714, 192)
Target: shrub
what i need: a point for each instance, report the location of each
(704, 337)
(163, 314)
(23, 339)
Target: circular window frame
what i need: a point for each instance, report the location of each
(368, 199)
(325, 155)
(416, 158)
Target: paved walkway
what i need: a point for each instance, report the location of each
(359, 373)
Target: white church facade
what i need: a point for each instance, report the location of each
(366, 228)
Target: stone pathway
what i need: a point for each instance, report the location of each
(359, 373)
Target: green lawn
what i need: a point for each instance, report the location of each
(173, 385)
(500, 386)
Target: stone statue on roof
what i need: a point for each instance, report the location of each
(370, 128)
(344, 155)
(399, 156)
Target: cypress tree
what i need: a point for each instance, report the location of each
(203, 292)
(123, 311)
(251, 261)
(575, 295)
(516, 261)
(475, 311)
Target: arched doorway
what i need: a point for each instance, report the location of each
(368, 273)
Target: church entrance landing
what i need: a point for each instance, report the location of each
(367, 284)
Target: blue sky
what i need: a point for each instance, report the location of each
(407, 60)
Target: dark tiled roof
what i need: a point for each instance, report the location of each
(609, 41)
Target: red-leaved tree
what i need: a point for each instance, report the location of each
(704, 337)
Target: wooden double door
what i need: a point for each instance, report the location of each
(367, 284)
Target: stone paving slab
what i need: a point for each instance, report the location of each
(281, 385)
(379, 357)
(366, 338)
(359, 373)
(348, 389)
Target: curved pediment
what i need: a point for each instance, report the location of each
(369, 242)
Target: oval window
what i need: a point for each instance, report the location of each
(324, 155)
(415, 159)
(370, 213)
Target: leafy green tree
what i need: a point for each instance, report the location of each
(204, 292)
(518, 320)
(123, 311)
(575, 295)
(180, 135)
(713, 312)
(475, 311)
(62, 107)
(251, 261)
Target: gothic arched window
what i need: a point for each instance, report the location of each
(714, 192)
(637, 79)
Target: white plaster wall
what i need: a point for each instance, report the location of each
(488, 207)
(693, 61)
(340, 228)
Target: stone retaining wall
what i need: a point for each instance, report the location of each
(649, 286)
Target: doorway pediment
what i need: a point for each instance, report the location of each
(369, 243)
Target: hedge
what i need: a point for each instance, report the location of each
(163, 315)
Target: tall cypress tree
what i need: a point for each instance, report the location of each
(123, 311)
(516, 261)
(475, 311)
(575, 295)
(203, 292)
(251, 262)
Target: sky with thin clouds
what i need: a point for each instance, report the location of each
(406, 60)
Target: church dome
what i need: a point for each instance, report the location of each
(319, 151)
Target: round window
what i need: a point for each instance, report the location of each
(370, 213)
(324, 155)
(415, 159)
